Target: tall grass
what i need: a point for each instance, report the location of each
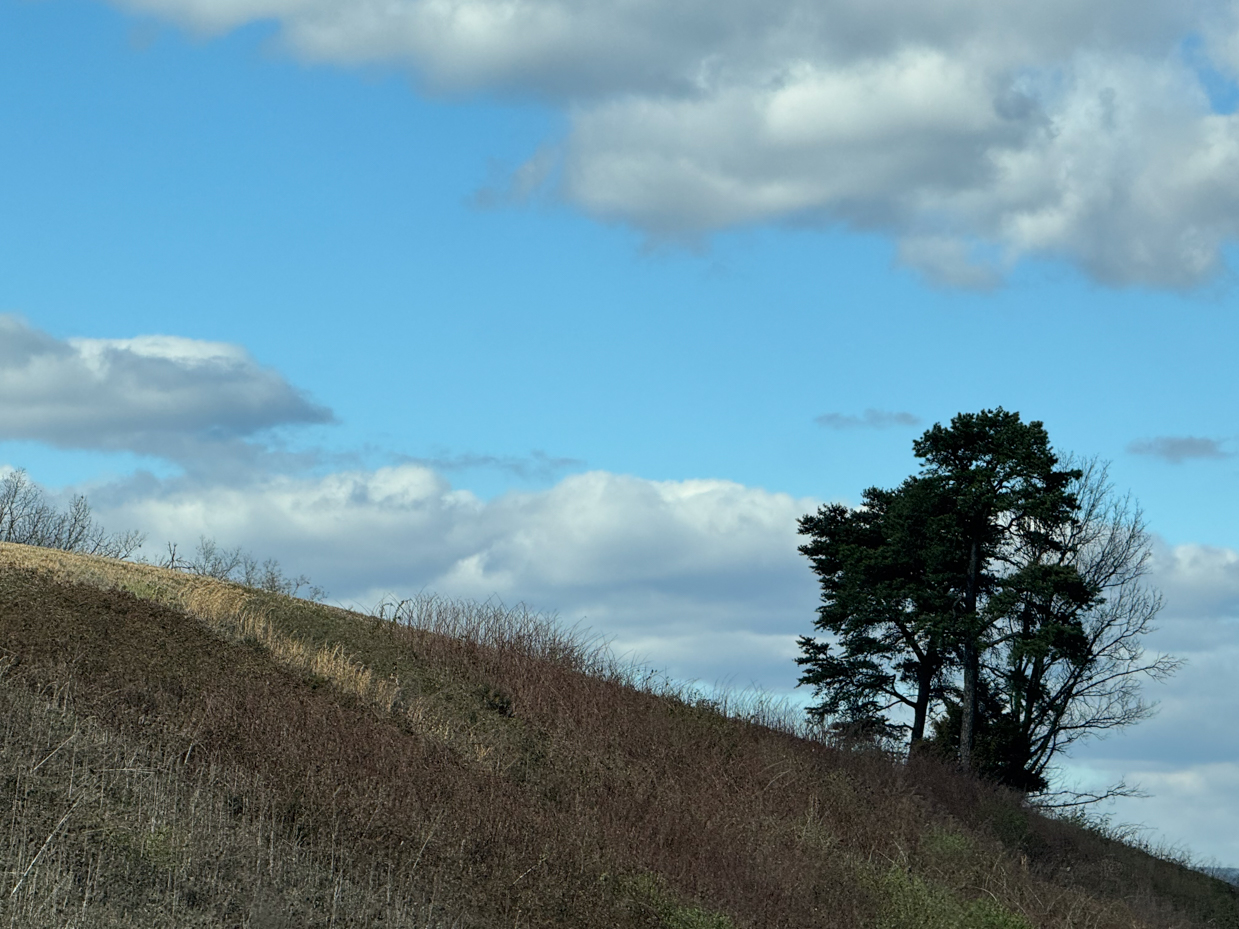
(104, 830)
(518, 630)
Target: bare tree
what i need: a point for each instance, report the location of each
(27, 517)
(1048, 692)
(241, 567)
(212, 561)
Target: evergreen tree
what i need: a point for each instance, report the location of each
(920, 580)
(1008, 494)
(886, 601)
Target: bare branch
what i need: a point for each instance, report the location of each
(28, 518)
(1073, 799)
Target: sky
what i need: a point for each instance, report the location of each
(582, 303)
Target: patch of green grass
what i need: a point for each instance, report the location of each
(649, 894)
(912, 902)
(940, 844)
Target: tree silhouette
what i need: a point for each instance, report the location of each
(888, 603)
(996, 593)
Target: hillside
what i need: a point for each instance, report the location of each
(179, 751)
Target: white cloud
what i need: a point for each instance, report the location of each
(1188, 808)
(699, 576)
(1200, 799)
(1185, 756)
(160, 395)
(1199, 581)
(1061, 129)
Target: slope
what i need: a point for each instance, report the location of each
(182, 751)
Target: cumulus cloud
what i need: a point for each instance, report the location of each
(870, 419)
(1184, 756)
(994, 128)
(702, 577)
(1198, 580)
(1188, 809)
(159, 395)
(1178, 448)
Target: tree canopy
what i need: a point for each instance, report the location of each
(995, 597)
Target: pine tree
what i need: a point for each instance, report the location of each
(918, 581)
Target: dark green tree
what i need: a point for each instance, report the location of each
(887, 603)
(999, 753)
(919, 581)
(1008, 496)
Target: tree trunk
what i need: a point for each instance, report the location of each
(972, 661)
(924, 690)
(968, 709)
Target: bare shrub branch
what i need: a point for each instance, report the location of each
(27, 517)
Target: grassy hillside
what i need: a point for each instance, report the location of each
(178, 751)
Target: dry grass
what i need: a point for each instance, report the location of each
(236, 613)
(105, 830)
(506, 768)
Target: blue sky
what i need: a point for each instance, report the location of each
(582, 303)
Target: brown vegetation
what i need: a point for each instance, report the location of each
(182, 751)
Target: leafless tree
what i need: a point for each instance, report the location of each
(212, 561)
(238, 565)
(27, 517)
(1054, 695)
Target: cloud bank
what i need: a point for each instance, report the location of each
(701, 576)
(159, 395)
(1185, 756)
(1200, 581)
(976, 132)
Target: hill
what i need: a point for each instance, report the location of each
(179, 751)
(1230, 875)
